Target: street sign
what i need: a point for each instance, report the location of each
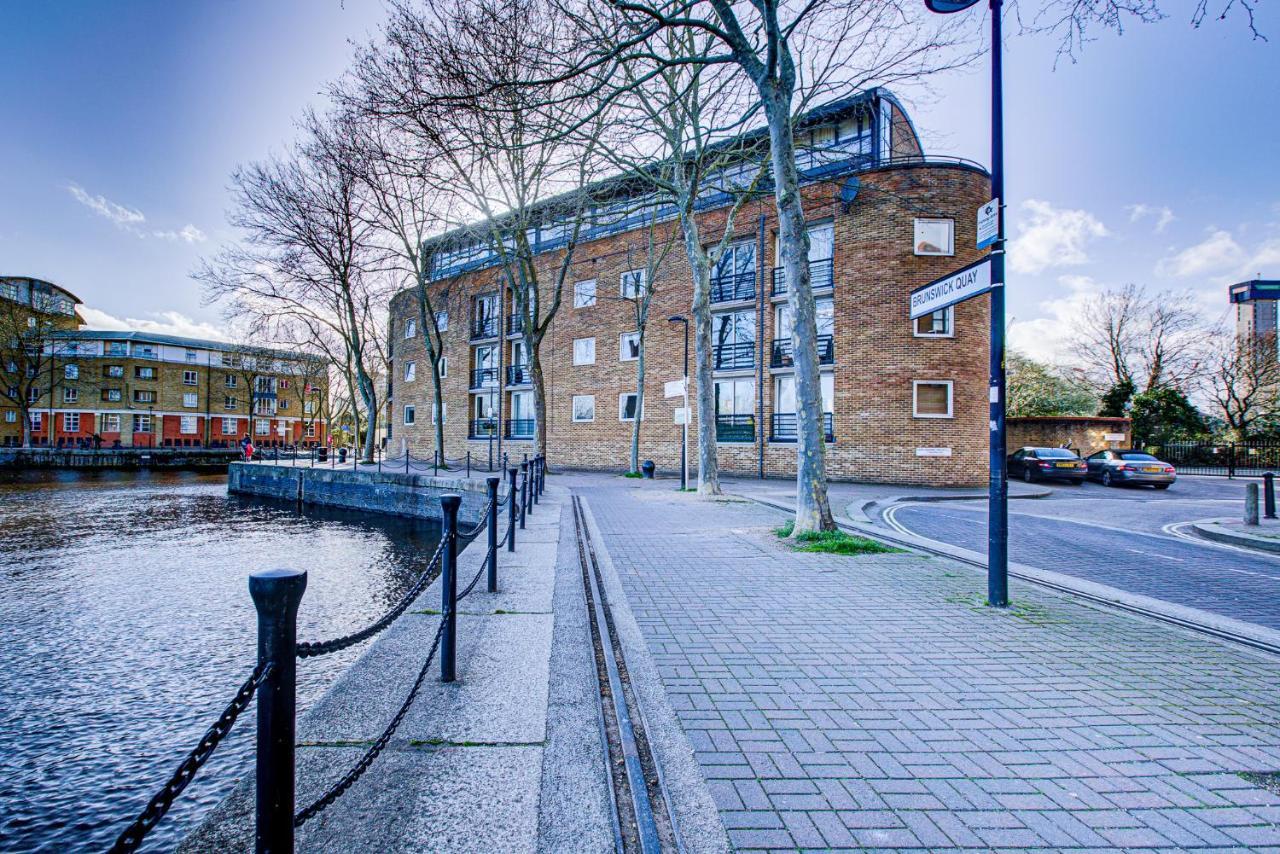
(673, 388)
(681, 415)
(956, 287)
(988, 223)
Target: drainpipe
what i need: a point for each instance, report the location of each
(760, 303)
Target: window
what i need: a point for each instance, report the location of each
(627, 407)
(410, 413)
(229, 402)
(111, 395)
(144, 372)
(283, 384)
(144, 351)
(116, 348)
(633, 283)
(311, 430)
(71, 372)
(142, 423)
(785, 392)
(932, 398)
(442, 321)
(629, 347)
(584, 407)
(33, 394)
(37, 420)
(187, 424)
(410, 328)
(229, 427)
(110, 423)
(584, 293)
(434, 412)
(264, 385)
(735, 397)
(188, 377)
(935, 237)
(70, 395)
(144, 397)
(410, 371)
(191, 357)
(189, 400)
(308, 408)
(262, 427)
(584, 351)
(10, 416)
(936, 325)
(232, 381)
(444, 367)
(71, 422)
(284, 403)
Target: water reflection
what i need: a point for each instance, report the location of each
(128, 625)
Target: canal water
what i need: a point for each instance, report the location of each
(127, 626)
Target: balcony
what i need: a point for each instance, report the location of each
(518, 375)
(821, 277)
(785, 429)
(520, 428)
(515, 324)
(735, 428)
(484, 377)
(482, 428)
(486, 328)
(734, 357)
(782, 355)
(732, 287)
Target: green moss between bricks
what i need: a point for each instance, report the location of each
(833, 542)
(633, 474)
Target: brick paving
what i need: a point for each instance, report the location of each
(874, 703)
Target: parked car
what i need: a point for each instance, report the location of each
(1114, 468)
(1032, 464)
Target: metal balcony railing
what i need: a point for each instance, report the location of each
(518, 375)
(482, 428)
(734, 357)
(784, 427)
(487, 328)
(515, 324)
(484, 377)
(520, 428)
(782, 355)
(821, 277)
(731, 287)
(735, 428)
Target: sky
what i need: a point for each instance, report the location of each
(1150, 160)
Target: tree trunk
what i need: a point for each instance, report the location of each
(708, 461)
(813, 510)
(635, 425)
(539, 400)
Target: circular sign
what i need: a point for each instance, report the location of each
(946, 7)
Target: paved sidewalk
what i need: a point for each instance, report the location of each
(874, 702)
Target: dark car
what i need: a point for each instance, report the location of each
(1114, 468)
(1032, 464)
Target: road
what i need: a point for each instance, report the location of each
(1131, 539)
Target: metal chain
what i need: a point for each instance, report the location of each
(137, 831)
(480, 526)
(471, 586)
(314, 648)
(336, 791)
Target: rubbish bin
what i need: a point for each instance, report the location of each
(647, 468)
(322, 454)
(342, 455)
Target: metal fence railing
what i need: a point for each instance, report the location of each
(784, 427)
(276, 596)
(821, 277)
(735, 428)
(731, 287)
(782, 356)
(1225, 459)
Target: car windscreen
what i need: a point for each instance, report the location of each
(1055, 453)
(1147, 457)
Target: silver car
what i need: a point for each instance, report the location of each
(1114, 468)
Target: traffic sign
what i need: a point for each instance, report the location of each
(681, 415)
(673, 388)
(988, 223)
(955, 287)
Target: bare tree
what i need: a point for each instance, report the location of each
(1073, 22)
(1151, 341)
(1244, 383)
(306, 258)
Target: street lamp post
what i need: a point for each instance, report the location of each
(998, 492)
(684, 435)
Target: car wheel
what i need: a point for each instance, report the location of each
(1027, 476)
(1106, 479)
(1161, 486)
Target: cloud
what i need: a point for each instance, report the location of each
(1163, 215)
(163, 322)
(104, 207)
(1048, 338)
(1221, 258)
(1053, 237)
(188, 234)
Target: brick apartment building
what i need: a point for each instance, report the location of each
(141, 389)
(904, 401)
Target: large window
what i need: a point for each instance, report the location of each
(939, 324)
(109, 423)
(190, 400)
(584, 293)
(71, 422)
(584, 351)
(187, 424)
(935, 237)
(584, 407)
(229, 427)
(142, 423)
(261, 427)
(932, 399)
(734, 275)
(733, 340)
(784, 400)
(735, 397)
(629, 346)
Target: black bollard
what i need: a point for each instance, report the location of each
(493, 532)
(449, 588)
(511, 508)
(524, 492)
(1269, 495)
(537, 478)
(276, 594)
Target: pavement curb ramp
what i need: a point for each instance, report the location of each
(1194, 619)
(865, 508)
(1222, 534)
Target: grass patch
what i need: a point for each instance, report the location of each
(633, 474)
(833, 542)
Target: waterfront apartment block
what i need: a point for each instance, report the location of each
(142, 389)
(903, 401)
